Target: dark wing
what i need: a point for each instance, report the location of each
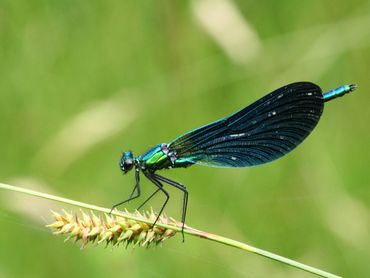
(261, 132)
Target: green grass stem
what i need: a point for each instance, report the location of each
(188, 230)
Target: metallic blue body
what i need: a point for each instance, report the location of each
(339, 92)
(152, 152)
(160, 157)
(260, 133)
(156, 158)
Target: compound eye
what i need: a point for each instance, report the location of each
(128, 164)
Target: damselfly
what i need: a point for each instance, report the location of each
(262, 132)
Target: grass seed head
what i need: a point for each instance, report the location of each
(112, 230)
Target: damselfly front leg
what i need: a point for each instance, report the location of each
(136, 188)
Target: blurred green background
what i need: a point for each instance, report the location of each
(82, 81)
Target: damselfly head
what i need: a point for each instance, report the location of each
(127, 162)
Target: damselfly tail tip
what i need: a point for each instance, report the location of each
(339, 92)
(352, 87)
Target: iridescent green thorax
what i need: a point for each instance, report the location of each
(160, 157)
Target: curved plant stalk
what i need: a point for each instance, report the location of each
(188, 230)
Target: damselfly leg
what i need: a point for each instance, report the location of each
(157, 183)
(151, 196)
(131, 197)
(185, 198)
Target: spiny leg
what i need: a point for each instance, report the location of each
(178, 186)
(185, 199)
(131, 197)
(160, 187)
(151, 196)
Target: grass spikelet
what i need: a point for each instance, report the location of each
(111, 230)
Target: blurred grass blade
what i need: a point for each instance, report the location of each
(84, 130)
(222, 20)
